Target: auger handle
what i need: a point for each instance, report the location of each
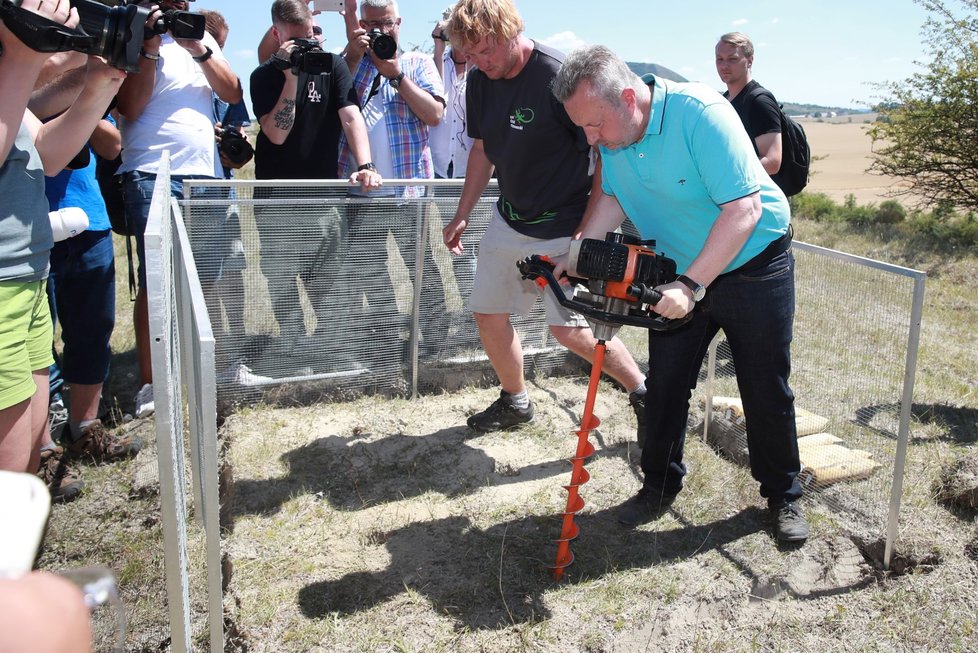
(540, 270)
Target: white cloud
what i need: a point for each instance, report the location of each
(739, 22)
(245, 54)
(775, 21)
(564, 41)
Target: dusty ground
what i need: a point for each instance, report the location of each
(358, 529)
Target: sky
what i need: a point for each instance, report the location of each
(826, 53)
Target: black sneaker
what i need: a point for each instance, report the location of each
(790, 525)
(642, 508)
(501, 415)
(638, 405)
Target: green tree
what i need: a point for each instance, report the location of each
(928, 132)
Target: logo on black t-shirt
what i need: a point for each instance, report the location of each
(314, 95)
(521, 117)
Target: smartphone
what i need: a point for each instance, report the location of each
(328, 5)
(23, 516)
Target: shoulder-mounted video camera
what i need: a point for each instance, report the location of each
(114, 32)
(383, 45)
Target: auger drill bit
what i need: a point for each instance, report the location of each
(579, 476)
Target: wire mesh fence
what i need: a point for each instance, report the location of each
(311, 291)
(314, 286)
(308, 285)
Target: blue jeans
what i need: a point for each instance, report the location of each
(756, 311)
(210, 229)
(82, 286)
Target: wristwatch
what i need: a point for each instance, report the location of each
(698, 289)
(396, 81)
(204, 57)
(369, 165)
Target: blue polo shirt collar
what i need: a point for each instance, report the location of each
(659, 92)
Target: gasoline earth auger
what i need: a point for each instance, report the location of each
(620, 275)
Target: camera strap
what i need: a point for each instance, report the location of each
(373, 91)
(42, 34)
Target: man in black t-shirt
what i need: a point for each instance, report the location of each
(301, 115)
(542, 161)
(756, 106)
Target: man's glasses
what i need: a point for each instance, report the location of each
(317, 30)
(379, 24)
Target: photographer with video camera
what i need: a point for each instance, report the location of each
(167, 106)
(303, 99)
(676, 160)
(30, 149)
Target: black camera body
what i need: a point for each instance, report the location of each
(309, 57)
(180, 25)
(383, 45)
(234, 146)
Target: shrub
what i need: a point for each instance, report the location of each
(814, 206)
(890, 212)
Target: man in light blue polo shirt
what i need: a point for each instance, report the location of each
(676, 160)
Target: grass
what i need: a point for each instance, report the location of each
(382, 525)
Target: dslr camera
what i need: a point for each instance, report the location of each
(309, 57)
(383, 45)
(235, 147)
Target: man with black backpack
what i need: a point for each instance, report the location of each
(780, 142)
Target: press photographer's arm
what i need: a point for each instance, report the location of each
(20, 67)
(136, 93)
(61, 138)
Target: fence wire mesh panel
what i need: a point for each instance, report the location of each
(312, 290)
(854, 326)
(197, 372)
(169, 408)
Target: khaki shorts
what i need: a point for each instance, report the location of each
(498, 287)
(26, 335)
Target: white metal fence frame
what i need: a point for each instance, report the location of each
(182, 345)
(183, 348)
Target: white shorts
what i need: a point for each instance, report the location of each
(498, 287)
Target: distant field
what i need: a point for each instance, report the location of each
(846, 151)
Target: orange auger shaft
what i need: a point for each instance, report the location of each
(579, 476)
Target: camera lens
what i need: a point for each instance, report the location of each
(383, 45)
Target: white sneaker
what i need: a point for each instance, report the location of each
(241, 374)
(144, 401)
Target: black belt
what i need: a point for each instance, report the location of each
(774, 248)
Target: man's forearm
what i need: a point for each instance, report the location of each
(478, 172)
(356, 134)
(58, 94)
(732, 228)
(137, 89)
(277, 124)
(423, 104)
(59, 140)
(222, 80)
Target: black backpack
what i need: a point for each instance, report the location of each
(796, 156)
